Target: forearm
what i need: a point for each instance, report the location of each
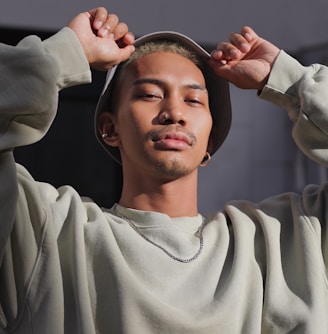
(32, 73)
(302, 92)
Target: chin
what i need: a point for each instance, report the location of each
(172, 170)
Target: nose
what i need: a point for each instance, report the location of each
(172, 112)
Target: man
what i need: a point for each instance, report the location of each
(153, 263)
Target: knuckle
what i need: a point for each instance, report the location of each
(121, 29)
(232, 35)
(113, 19)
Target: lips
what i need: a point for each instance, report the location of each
(179, 136)
(176, 140)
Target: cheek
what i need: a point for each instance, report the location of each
(204, 127)
(132, 128)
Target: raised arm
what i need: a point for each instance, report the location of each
(34, 71)
(251, 62)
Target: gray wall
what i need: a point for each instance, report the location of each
(258, 159)
(290, 24)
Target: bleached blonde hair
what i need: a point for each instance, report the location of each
(162, 46)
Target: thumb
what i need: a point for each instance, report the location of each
(126, 52)
(221, 68)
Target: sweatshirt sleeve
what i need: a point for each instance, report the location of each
(32, 73)
(303, 92)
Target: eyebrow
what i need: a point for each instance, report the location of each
(162, 83)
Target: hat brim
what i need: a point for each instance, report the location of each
(218, 90)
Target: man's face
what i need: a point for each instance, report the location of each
(163, 119)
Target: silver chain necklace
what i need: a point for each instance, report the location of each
(198, 234)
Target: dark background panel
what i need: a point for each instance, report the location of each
(69, 154)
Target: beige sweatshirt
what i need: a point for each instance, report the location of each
(68, 266)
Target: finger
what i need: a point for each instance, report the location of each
(216, 63)
(126, 52)
(108, 26)
(127, 39)
(98, 16)
(123, 54)
(217, 56)
(248, 33)
(120, 30)
(226, 51)
(240, 42)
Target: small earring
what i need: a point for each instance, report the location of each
(206, 160)
(104, 135)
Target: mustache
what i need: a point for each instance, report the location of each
(173, 131)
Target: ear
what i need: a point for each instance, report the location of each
(106, 126)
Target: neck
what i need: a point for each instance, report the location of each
(175, 198)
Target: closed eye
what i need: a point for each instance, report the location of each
(196, 101)
(193, 101)
(196, 96)
(148, 96)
